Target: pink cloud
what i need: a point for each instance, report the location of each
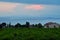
(35, 7)
(4, 6)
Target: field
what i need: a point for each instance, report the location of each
(29, 34)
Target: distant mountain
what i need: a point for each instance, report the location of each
(29, 18)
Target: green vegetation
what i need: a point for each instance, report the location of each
(30, 34)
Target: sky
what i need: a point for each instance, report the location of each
(30, 8)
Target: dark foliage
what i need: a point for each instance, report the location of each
(36, 25)
(3, 24)
(23, 25)
(18, 25)
(27, 24)
(39, 25)
(0, 26)
(33, 25)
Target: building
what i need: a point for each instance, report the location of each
(51, 25)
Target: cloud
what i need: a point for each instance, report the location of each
(34, 7)
(21, 9)
(6, 6)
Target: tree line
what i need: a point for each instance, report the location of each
(18, 25)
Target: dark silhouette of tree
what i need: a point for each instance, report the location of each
(33, 25)
(36, 25)
(18, 25)
(27, 24)
(40, 25)
(3, 25)
(9, 25)
(54, 26)
(0, 26)
(23, 25)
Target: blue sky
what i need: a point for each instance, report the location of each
(52, 2)
(36, 8)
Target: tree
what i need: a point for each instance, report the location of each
(54, 26)
(3, 25)
(18, 25)
(33, 25)
(36, 25)
(23, 25)
(40, 25)
(0, 26)
(9, 25)
(27, 24)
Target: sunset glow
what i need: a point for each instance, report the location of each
(35, 7)
(7, 6)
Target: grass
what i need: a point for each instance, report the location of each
(30, 34)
